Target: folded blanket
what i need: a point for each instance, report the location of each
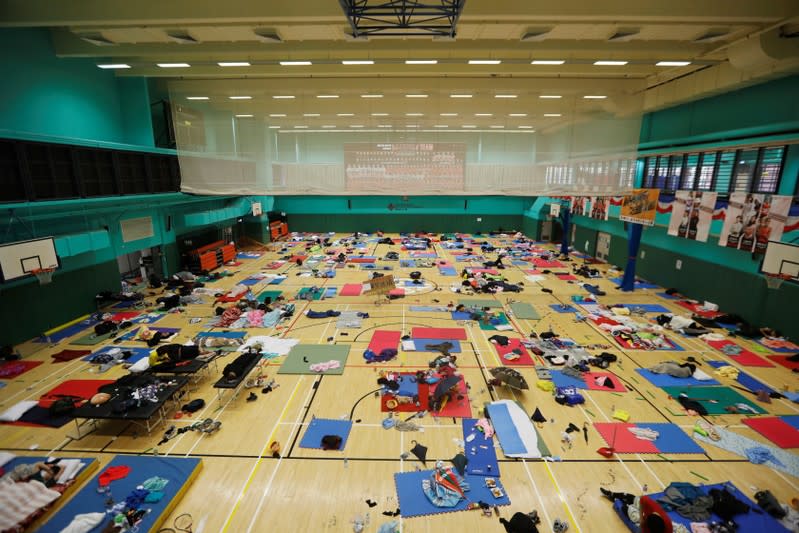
(13, 413)
(19, 500)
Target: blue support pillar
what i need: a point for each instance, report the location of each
(633, 243)
(565, 218)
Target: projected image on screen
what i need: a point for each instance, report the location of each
(411, 166)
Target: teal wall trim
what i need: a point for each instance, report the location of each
(67, 98)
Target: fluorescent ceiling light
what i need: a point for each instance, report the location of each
(371, 96)
(173, 65)
(300, 127)
(328, 126)
(415, 96)
(550, 96)
(610, 63)
(240, 97)
(460, 96)
(295, 63)
(108, 66)
(310, 114)
(283, 96)
(274, 127)
(594, 97)
(485, 61)
(496, 127)
(233, 64)
(441, 126)
(551, 114)
(421, 61)
(345, 114)
(276, 115)
(358, 62)
(243, 116)
(196, 98)
(379, 114)
(327, 96)
(547, 62)
(411, 126)
(414, 114)
(468, 126)
(484, 114)
(672, 63)
(505, 95)
(356, 125)
(448, 114)
(517, 114)
(525, 127)
(384, 125)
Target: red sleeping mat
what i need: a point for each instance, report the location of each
(82, 388)
(776, 430)
(513, 344)
(745, 358)
(382, 339)
(351, 289)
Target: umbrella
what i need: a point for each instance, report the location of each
(510, 377)
(420, 452)
(444, 386)
(460, 461)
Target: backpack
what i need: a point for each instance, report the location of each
(64, 406)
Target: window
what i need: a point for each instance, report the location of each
(675, 171)
(726, 165)
(706, 169)
(744, 170)
(689, 175)
(649, 172)
(769, 170)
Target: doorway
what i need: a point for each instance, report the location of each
(136, 267)
(602, 246)
(546, 231)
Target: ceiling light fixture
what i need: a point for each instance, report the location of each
(108, 66)
(274, 127)
(356, 125)
(196, 98)
(358, 62)
(441, 126)
(421, 61)
(484, 114)
(240, 97)
(414, 114)
(496, 127)
(517, 114)
(448, 114)
(551, 114)
(233, 64)
(485, 61)
(295, 63)
(379, 114)
(594, 97)
(384, 125)
(505, 95)
(310, 114)
(277, 115)
(525, 127)
(327, 96)
(371, 96)
(301, 127)
(345, 114)
(173, 65)
(415, 96)
(328, 126)
(460, 96)
(672, 63)
(547, 62)
(283, 96)
(468, 126)
(609, 63)
(550, 96)
(243, 116)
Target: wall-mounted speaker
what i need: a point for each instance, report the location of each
(466, 205)
(349, 203)
(169, 222)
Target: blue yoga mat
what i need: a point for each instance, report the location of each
(665, 380)
(408, 386)
(562, 380)
(672, 439)
(407, 263)
(461, 315)
(245, 255)
(125, 305)
(519, 262)
(148, 319)
(138, 353)
(649, 308)
(638, 284)
(250, 282)
(667, 296)
(427, 308)
(447, 271)
(277, 281)
(319, 427)
(505, 429)
(480, 451)
(558, 308)
(425, 255)
(413, 502)
(744, 379)
(421, 343)
(178, 470)
(223, 334)
(68, 331)
(461, 258)
(776, 350)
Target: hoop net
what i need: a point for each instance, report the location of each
(44, 275)
(774, 281)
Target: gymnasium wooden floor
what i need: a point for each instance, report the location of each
(241, 488)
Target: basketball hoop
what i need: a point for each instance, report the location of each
(774, 281)
(44, 275)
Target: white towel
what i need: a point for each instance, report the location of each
(83, 523)
(15, 412)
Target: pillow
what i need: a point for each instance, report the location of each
(14, 413)
(139, 366)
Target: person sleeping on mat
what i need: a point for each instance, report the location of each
(235, 370)
(175, 353)
(644, 513)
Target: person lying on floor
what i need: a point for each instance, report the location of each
(168, 302)
(681, 324)
(644, 513)
(38, 471)
(674, 369)
(175, 353)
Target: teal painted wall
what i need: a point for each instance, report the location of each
(67, 99)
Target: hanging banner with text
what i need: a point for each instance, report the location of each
(691, 214)
(752, 220)
(640, 206)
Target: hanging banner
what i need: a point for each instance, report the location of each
(691, 214)
(579, 204)
(754, 219)
(554, 210)
(640, 206)
(600, 207)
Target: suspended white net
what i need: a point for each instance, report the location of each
(261, 145)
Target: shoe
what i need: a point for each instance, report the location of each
(252, 397)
